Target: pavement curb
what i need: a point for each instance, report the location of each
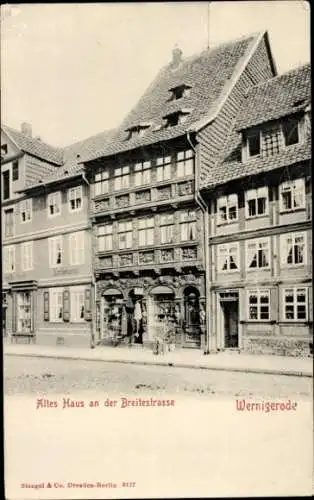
(174, 364)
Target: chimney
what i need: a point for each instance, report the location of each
(26, 129)
(176, 56)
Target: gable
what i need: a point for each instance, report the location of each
(9, 148)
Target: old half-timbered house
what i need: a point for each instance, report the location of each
(147, 214)
(260, 220)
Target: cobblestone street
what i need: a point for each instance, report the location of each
(24, 375)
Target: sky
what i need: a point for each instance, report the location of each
(74, 70)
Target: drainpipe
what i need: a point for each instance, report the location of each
(205, 210)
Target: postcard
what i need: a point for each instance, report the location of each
(156, 240)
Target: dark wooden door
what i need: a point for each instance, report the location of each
(231, 322)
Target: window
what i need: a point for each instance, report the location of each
(54, 204)
(180, 91)
(290, 130)
(188, 225)
(258, 253)
(76, 244)
(172, 120)
(15, 171)
(272, 140)
(166, 228)
(8, 223)
(4, 150)
(77, 302)
(104, 237)
(292, 195)
(259, 305)
(125, 234)
(102, 182)
(26, 210)
(295, 304)
(257, 202)
(185, 163)
(9, 259)
(75, 199)
(24, 312)
(146, 231)
(228, 257)
(227, 208)
(292, 248)
(142, 173)
(27, 256)
(6, 188)
(122, 178)
(56, 251)
(253, 143)
(163, 168)
(56, 305)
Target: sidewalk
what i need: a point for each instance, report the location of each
(184, 358)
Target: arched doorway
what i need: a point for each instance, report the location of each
(192, 324)
(136, 315)
(161, 311)
(112, 312)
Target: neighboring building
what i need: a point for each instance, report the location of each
(260, 237)
(147, 217)
(47, 268)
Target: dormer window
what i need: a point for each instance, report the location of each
(137, 130)
(4, 150)
(254, 143)
(180, 91)
(176, 118)
(290, 130)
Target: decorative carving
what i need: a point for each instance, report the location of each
(142, 196)
(167, 255)
(185, 188)
(101, 206)
(189, 253)
(164, 193)
(105, 261)
(146, 257)
(122, 201)
(126, 259)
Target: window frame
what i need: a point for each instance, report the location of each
(15, 167)
(104, 233)
(58, 196)
(163, 165)
(30, 210)
(187, 218)
(7, 173)
(166, 224)
(258, 292)
(53, 306)
(6, 211)
(77, 243)
(227, 202)
(284, 250)
(122, 173)
(142, 173)
(185, 159)
(256, 198)
(77, 290)
(257, 242)
(52, 247)
(30, 258)
(291, 184)
(147, 231)
(9, 259)
(102, 182)
(295, 304)
(75, 209)
(221, 258)
(248, 134)
(298, 127)
(127, 232)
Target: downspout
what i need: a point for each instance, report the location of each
(205, 210)
(93, 281)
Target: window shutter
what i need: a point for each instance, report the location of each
(14, 312)
(87, 308)
(273, 304)
(66, 305)
(46, 306)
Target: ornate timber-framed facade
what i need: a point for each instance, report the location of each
(171, 204)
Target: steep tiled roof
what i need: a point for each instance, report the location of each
(87, 147)
(35, 147)
(280, 96)
(261, 105)
(207, 73)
